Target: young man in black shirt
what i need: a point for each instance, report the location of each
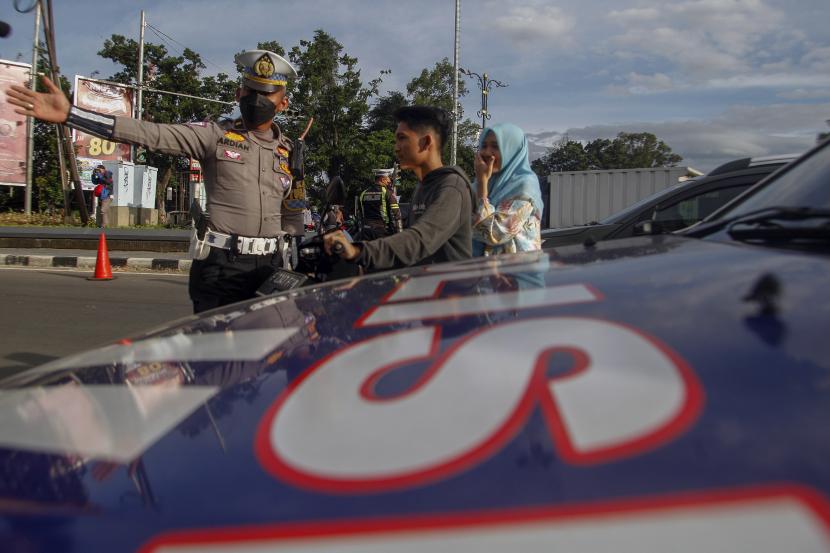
(442, 205)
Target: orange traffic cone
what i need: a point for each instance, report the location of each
(103, 271)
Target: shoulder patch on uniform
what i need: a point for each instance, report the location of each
(230, 135)
(284, 167)
(282, 151)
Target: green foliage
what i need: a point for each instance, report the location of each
(382, 114)
(180, 74)
(626, 151)
(348, 138)
(434, 87)
(47, 190)
(567, 155)
(331, 90)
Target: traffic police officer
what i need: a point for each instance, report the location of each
(379, 207)
(246, 165)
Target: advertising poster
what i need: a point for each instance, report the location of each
(108, 99)
(13, 135)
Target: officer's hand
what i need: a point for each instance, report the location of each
(349, 250)
(51, 106)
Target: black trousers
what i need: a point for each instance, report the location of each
(374, 228)
(224, 277)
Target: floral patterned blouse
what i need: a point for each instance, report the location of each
(510, 228)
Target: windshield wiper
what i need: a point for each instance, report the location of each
(785, 224)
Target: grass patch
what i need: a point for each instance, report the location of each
(20, 219)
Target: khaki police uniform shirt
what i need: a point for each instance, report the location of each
(245, 176)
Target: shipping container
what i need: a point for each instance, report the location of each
(579, 197)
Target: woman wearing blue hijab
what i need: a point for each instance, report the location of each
(509, 214)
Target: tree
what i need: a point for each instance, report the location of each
(566, 155)
(382, 114)
(635, 150)
(434, 87)
(626, 151)
(47, 186)
(332, 92)
(181, 74)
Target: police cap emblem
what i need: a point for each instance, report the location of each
(264, 71)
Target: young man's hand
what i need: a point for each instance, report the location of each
(337, 239)
(51, 106)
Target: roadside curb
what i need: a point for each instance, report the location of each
(122, 263)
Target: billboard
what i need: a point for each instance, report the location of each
(109, 99)
(13, 128)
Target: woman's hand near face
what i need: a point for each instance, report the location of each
(484, 170)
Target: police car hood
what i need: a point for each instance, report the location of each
(638, 395)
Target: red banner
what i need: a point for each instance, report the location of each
(109, 99)
(13, 129)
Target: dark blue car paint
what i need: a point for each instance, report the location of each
(765, 380)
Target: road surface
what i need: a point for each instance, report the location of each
(47, 314)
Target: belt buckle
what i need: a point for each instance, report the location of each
(242, 245)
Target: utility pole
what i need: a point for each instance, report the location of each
(140, 72)
(484, 83)
(456, 60)
(139, 98)
(30, 123)
(63, 130)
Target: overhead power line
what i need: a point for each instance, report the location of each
(165, 38)
(148, 89)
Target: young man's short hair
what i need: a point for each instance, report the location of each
(422, 118)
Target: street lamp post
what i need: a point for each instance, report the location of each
(484, 83)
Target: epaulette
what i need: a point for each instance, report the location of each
(231, 124)
(284, 140)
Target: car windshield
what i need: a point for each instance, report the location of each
(621, 216)
(805, 184)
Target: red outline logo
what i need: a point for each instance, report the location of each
(310, 534)
(536, 392)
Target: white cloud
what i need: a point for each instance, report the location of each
(642, 84)
(524, 24)
(778, 80)
(702, 39)
(634, 15)
(740, 131)
(818, 60)
(805, 94)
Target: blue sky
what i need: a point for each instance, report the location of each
(715, 79)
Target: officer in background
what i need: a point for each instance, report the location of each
(379, 209)
(246, 165)
(295, 203)
(294, 209)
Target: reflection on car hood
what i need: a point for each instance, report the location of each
(613, 396)
(553, 238)
(580, 229)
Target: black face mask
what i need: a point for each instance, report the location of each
(256, 109)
